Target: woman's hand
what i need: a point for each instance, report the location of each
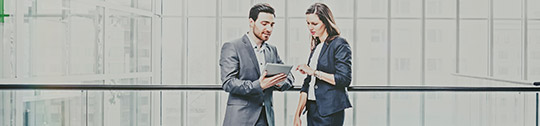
(305, 69)
(297, 121)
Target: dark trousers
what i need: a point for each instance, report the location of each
(262, 118)
(315, 119)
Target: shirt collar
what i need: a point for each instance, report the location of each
(253, 44)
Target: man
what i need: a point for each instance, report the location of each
(243, 76)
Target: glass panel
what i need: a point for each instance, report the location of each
(474, 8)
(235, 8)
(144, 43)
(7, 43)
(372, 8)
(201, 109)
(473, 45)
(120, 108)
(406, 45)
(532, 10)
(440, 8)
(86, 34)
(507, 8)
(121, 55)
(172, 104)
(342, 8)
(405, 68)
(121, 2)
(347, 30)
(405, 109)
(54, 108)
(278, 39)
(172, 7)
(533, 53)
(440, 109)
(507, 51)
(145, 4)
(371, 54)
(202, 7)
(202, 60)
(298, 46)
(440, 52)
(297, 8)
(172, 51)
(127, 108)
(235, 28)
(47, 32)
(407, 8)
(371, 108)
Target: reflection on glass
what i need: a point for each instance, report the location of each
(171, 106)
(370, 56)
(372, 8)
(201, 109)
(54, 108)
(440, 8)
(86, 34)
(406, 8)
(440, 51)
(143, 43)
(48, 36)
(127, 108)
(406, 45)
(507, 49)
(128, 43)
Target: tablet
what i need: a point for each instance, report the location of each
(273, 69)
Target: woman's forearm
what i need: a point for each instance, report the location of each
(325, 77)
(301, 103)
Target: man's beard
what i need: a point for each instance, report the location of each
(259, 36)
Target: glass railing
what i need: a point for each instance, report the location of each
(204, 105)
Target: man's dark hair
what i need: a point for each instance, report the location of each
(258, 8)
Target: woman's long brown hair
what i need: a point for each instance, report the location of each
(325, 15)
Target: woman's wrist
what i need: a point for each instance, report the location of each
(317, 74)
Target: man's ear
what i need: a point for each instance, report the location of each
(251, 23)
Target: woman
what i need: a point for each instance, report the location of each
(324, 93)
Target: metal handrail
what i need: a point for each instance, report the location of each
(217, 87)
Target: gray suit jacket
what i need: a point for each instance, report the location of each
(240, 78)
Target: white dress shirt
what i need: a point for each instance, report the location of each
(313, 64)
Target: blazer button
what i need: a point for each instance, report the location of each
(316, 87)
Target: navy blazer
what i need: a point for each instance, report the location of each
(335, 58)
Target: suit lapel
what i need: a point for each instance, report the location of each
(251, 54)
(267, 55)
